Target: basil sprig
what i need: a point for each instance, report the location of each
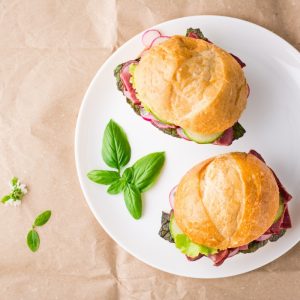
(146, 170)
(33, 239)
(116, 150)
(135, 180)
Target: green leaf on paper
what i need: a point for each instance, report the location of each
(33, 240)
(14, 181)
(43, 218)
(5, 198)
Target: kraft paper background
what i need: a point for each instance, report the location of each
(49, 52)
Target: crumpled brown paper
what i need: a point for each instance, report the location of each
(49, 52)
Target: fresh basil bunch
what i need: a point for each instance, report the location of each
(135, 180)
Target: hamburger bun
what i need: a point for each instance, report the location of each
(193, 84)
(227, 201)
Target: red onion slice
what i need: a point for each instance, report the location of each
(193, 35)
(182, 134)
(159, 40)
(248, 87)
(127, 94)
(146, 115)
(172, 196)
(226, 138)
(162, 125)
(149, 36)
(219, 257)
(264, 237)
(233, 252)
(245, 247)
(240, 62)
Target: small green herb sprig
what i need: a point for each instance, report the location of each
(135, 180)
(18, 190)
(33, 239)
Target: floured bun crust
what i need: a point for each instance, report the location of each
(227, 201)
(193, 84)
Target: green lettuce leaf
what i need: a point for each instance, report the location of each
(197, 32)
(132, 68)
(276, 237)
(164, 230)
(186, 246)
(117, 71)
(238, 131)
(182, 242)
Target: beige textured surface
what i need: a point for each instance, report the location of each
(226, 201)
(49, 52)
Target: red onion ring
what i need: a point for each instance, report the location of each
(233, 252)
(146, 115)
(161, 125)
(149, 36)
(264, 237)
(159, 40)
(245, 247)
(172, 196)
(182, 134)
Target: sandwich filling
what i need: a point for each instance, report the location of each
(124, 74)
(171, 232)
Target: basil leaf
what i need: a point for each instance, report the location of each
(133, 200)
(147, 169)
(103, 176)
(14, 181)
(42, 218)
(116, 187)
(33, 240)
(5, 198)
(128, 174)
(116, 150)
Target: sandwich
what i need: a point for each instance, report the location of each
(187, 87)
(229, 204)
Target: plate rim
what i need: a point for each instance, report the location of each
(76, 142)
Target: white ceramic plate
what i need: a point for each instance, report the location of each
(271, 119)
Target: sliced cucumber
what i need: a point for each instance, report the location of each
(174, 229)
(202, 138)
(156, 116)
(280, 210)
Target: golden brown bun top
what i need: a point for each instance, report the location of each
(227, 201)
(192, 84)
